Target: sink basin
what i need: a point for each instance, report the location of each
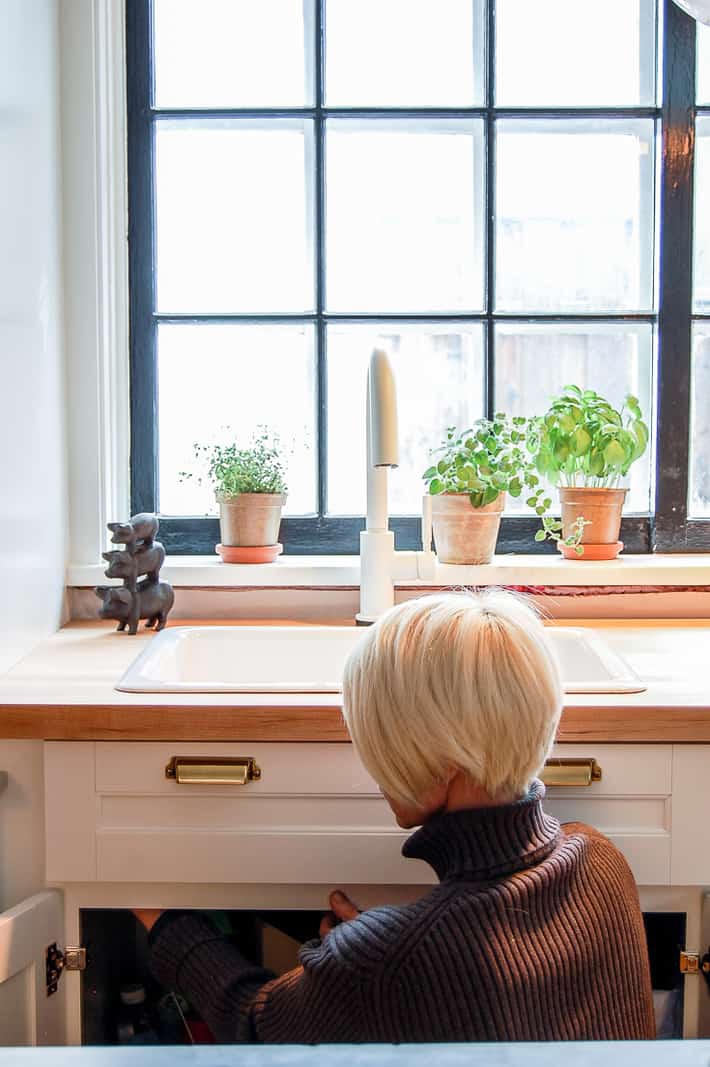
(288, 659)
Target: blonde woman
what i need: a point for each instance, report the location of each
(534, 931)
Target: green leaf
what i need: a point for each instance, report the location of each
(429, 473)
(596, 464)
(531, 501)
(442, 466)
(540, 535)
(614, 453)
(561, 452)
(580, 441)
(435, 486)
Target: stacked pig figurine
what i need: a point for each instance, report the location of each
(150, 599)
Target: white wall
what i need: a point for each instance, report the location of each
(33, 508)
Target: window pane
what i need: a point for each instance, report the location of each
(404, 53)
(232, 212)
(439, 373)
(574, 229)
(220, 382)
(534, 362)
(699, 503)
(572, 53)
(404, 216)
(702, 63)
(230, 53)
(701, 231)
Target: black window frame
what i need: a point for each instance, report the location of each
(667, 528)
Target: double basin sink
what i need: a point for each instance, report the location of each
(291, 659)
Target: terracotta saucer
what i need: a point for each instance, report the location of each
(593, 552)
(249, 553)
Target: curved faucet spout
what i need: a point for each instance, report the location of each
(382, 412)
(377, 540)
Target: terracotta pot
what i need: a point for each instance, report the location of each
(601, 508)
(250, 518)
(592, 553)
(462, 533)
(249, 553)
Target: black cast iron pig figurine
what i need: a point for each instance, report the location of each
(132, 565)
(151, 601)
(141, 528)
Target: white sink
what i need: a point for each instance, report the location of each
(288, 659)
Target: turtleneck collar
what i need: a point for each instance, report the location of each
(481, 844)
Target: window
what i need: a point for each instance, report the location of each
(489, 188)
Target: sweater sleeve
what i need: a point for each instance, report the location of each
(190, 957)
(324, 999)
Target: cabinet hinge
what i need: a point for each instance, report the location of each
(71, 959)
(689, 963)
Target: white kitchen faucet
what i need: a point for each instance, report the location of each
(377, 540)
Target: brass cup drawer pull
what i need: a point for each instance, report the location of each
(223, 770)
(571, 772)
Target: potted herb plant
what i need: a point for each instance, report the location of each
(469, 482)
(585, 447)
(250, 488)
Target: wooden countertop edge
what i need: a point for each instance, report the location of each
(597, 725)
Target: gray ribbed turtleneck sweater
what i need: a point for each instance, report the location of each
(534, 933)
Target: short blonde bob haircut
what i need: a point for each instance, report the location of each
(454, 682)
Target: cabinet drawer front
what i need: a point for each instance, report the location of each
(372, 858)
(627, 770)
(314, 815)
(328, 768)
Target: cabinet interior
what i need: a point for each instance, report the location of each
(117, 955)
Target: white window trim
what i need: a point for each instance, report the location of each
(97, 332)
(93, 111)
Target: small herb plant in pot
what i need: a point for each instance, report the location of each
(469, 482)
(585, 446)
(250, 488)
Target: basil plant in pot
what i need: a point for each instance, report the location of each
(585, 446)
(250, 488)
(469, 482)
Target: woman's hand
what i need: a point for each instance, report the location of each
(147, 916)
(342, 910)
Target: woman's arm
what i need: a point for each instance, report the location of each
(189, 956)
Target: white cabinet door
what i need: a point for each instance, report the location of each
(27, 1015)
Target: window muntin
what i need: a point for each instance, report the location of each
(699, 473)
